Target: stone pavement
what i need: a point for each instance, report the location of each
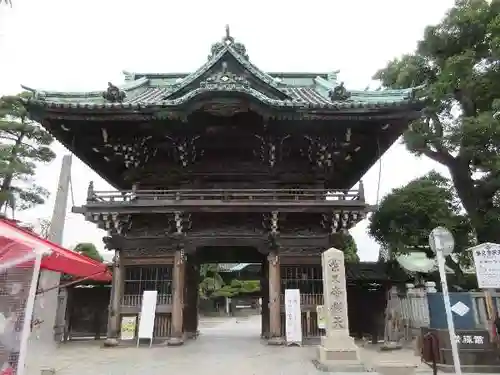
(225, 346)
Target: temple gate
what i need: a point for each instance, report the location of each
(226, 164)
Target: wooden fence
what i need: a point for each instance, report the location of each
(407, 313)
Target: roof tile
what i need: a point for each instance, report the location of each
(143, 90)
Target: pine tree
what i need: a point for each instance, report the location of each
(89, 250)
(24, 144)
(458, 63)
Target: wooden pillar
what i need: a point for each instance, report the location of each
(177, 335)
(191, 305)
(114, 317)
(264, 287)
(274, 300)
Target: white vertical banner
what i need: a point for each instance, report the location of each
(293, 321)
(147, 317)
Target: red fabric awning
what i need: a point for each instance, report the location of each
(18, 243)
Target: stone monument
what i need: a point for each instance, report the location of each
(337, 351)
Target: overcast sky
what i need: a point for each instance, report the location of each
(81, 45)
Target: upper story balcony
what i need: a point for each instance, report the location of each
(256, 200)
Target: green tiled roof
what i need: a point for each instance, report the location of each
(292, 90)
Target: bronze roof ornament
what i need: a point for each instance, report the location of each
(339, 93)
(113, 94)
(228, 42)
(228, 39)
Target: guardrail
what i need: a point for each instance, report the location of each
(226, 195)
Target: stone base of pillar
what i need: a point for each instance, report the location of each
(175, 341)
(47, 371)
(276, 341)
(192, 335)
(338, 353)
(111, 342)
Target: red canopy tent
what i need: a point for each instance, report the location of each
(17, 244)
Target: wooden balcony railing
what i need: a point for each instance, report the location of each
(226, 195)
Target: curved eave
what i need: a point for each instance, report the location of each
(373, 95)
(46, 95)
(346, 106)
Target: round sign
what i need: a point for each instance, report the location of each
(441, 240)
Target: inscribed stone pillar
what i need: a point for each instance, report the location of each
(337, 349)
(114, 317)
(47, 304)
(177, 334)
(274, 300)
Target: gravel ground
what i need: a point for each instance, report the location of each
(225, 346)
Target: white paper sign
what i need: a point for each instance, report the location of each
(320, 316)
(487, 262)
(147, 317)
(293, 321)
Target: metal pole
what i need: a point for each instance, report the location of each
(492, 312)
(28, 314)
(447, 306)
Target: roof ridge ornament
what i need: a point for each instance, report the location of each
(228, 39)
(339, 92)
(228, 42)
(113, 94)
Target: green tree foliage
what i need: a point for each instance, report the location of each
(458, 61)
(211, 280)
(407, 215)
(213, 286)
(89, 250)
(23, 146)
(237, 288)
(349, 247)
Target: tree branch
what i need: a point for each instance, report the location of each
(490, 185)
(30, 146)
(7, 138)
(442, 157)
(466, 102)
(437, 140)
(432, 144)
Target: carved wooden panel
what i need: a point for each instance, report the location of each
(148, 251)
(294, 251)
(230, 223)
(301, 224)
(150, 225)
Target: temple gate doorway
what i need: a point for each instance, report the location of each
(215, 291)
